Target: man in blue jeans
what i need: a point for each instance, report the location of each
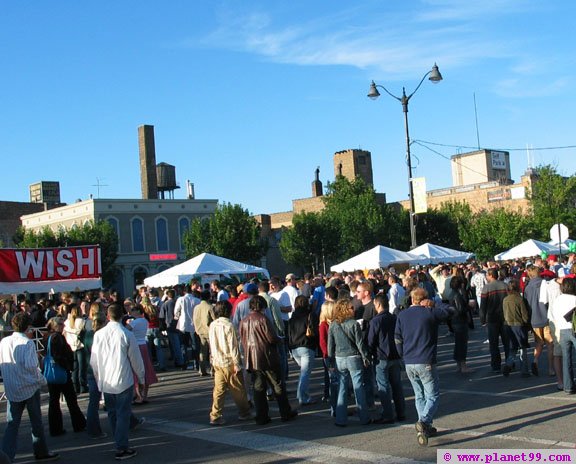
(115, 360)
(22, 383)
(388, 365)
(416, 338)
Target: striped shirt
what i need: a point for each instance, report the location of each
(19, 365)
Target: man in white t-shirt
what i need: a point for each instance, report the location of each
(291, 289)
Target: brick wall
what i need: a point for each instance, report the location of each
(10, 212)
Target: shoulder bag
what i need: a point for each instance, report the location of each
(54, 372)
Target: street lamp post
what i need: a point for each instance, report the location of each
(434, 76)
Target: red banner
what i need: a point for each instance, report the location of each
(19, 268)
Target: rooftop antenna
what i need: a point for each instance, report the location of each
(530, 156)
(476, 116)
(98, 184)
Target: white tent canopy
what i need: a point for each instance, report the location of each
(379, 256)
(436, 254)
(527, 249)
(564, 246)
(204, 264)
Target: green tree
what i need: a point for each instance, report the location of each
(443, 226)
(352, 208)
(492, 232)
(231, 232)
(99, 233)
(553, 198)
(310, 242)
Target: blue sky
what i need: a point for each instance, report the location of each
(248, 98)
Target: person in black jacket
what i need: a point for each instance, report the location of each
(63, 356)
(461, 319)
(302, 341)
(388, 365)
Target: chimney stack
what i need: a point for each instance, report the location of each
(147, 150)
(317, 184)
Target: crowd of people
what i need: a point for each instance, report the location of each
(362, 327)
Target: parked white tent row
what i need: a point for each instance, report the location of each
(532, 247)
(526, 249)
(381, 256)
(202, 265)
(437, 254)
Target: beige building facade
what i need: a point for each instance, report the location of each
(150, 231)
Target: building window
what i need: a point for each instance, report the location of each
(183, 226)
(116, 226)
(140, 273)
(137, 235)
(161, 234)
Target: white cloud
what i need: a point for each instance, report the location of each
(389, 40)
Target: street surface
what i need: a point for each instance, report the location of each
(478, 411)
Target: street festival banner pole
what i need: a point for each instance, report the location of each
(49, 270)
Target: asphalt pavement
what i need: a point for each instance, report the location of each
(477, 411)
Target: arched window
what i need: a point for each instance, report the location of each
(161, 234)
(183, 226)
(140, 273)
(116, 226)
(137, 235)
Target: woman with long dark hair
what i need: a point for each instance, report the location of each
(460, 322)
(302, 341)
(63, 356)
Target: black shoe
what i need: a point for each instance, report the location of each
(57, 434)
(125, 454)
(381, 420)
(48, 457)
(291, 415)
(506, 370)
(264, 421)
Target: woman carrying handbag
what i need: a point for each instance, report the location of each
(62, 354)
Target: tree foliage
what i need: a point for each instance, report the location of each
(230, 232)
(491, 232)
(311, 242)
(99, 233)
(553, 199)
(351, 207)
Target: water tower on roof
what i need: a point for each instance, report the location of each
(166, 177)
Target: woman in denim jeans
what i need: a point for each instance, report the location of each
(348, 354)
(302, 329)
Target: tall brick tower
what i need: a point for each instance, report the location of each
(147, 151)
(354, 163)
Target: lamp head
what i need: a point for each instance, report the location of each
(373, 92)
(435, 75)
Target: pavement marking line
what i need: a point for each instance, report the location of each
(567, 399)
(503, 436)
(289, 447)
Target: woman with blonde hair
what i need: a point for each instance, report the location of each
(331, 378)
(349, 355)
(74, 330)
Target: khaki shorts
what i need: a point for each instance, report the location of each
(542, 335)
(556, 338)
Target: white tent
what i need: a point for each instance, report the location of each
(202, 265)
(436, 254)
(379, 256)
(526, 249)
(564, 246)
